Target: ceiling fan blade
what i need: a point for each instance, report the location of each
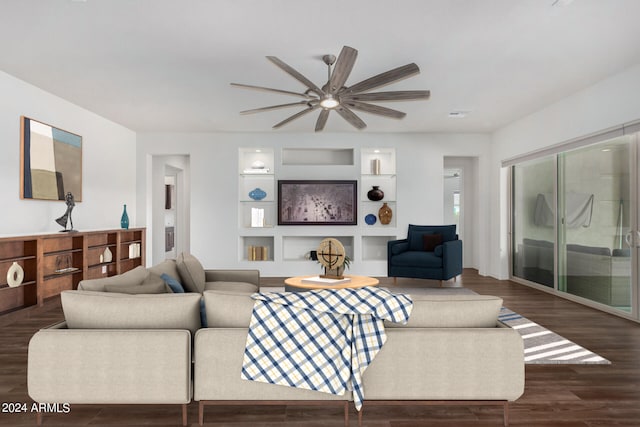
(268, 89)
(350, 116)
(400, 95)
(275, 107)
(342, 69)
(322, 119)
(296, 75)
(384, 78)
(295, 116)
(375, 109)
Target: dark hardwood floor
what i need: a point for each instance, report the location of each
(555, 395)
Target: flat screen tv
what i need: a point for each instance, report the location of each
(309, 202)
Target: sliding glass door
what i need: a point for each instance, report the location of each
(596, 206)
(534, 217)
(575, 222)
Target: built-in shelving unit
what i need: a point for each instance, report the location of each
(283, 250)
(56, 262)
(61, 263)
(378, 168)
(257, 216)
(130, 250)
(98, 262)
(23, 252)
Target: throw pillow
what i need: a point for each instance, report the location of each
(430, 241)
(191, 272)
(151, 288)
(176, 287)
(203, 313)
(415, 232)
(438, 251)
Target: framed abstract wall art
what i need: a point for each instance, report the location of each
(317, 202)
(50, 162)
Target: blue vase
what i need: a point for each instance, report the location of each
(124, 221)
(257, 194)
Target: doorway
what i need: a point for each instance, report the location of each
(170, 207)
(460, 187)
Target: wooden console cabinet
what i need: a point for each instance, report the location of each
(59, 261)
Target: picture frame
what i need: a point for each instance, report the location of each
(317, 202)
(50, 162)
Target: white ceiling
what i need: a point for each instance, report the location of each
(166, 65)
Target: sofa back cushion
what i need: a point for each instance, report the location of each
(228, 309)
(130, 278)
(168, 267)
(416, 233)
(100, 310)
(144, 288)
(191, 272)
(452, 311)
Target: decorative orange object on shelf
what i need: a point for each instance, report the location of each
(385, 214)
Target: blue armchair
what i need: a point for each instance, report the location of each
(428, 252)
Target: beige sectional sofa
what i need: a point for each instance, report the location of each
(140, 349)
(452, 350)
(126, 339)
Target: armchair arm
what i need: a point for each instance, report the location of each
(396, 247)
(249, 276)
(452, 258)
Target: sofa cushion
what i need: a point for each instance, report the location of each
(420, 259)
(145, 288)
(243, 287)
(191, 272)
(452, 311)
(168, 267)
(130, 278)
(227, 309)
(415, 233)
(102, 310)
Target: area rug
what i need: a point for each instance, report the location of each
(542, 346)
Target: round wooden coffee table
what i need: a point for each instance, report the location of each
(294, 284)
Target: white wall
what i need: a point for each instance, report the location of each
(108, 156)
(609, 103)
(214, 182)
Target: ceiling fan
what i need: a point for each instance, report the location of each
(334, 95)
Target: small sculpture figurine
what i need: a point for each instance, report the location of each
(66, 218)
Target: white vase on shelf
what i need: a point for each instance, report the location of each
(107, 255)
(15, 275)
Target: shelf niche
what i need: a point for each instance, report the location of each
(317, 156)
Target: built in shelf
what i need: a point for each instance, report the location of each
(317, 156)
(55, 262)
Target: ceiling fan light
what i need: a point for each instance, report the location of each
(329, 102)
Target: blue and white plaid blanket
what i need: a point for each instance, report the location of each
(320, 340)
